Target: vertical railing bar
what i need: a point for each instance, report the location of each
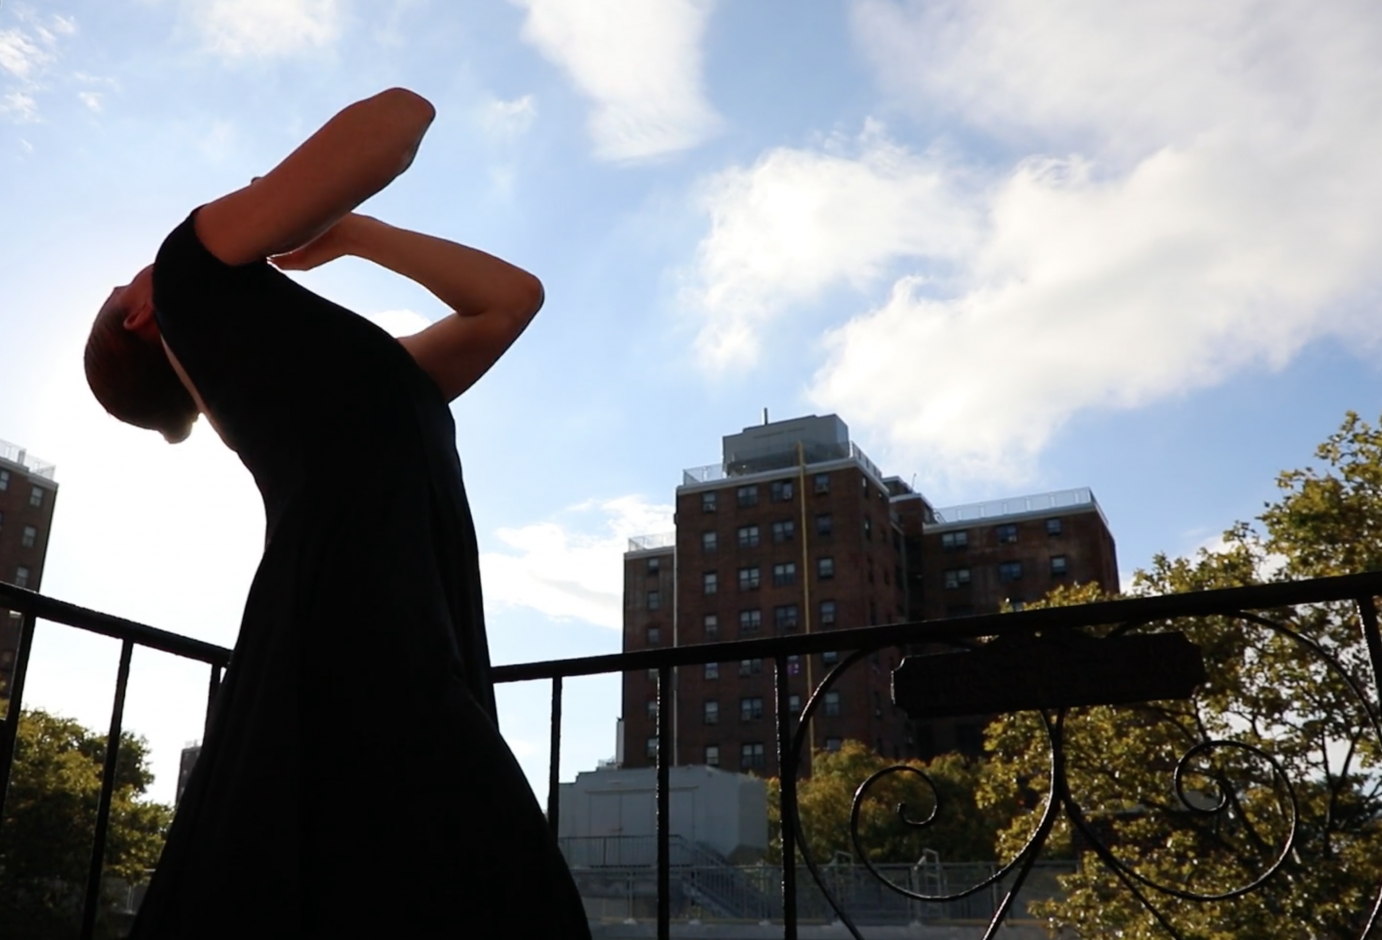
(1368, 610)
(213, 687)
(664, 813)
(9, 728)
(554, 760)
(787, 796)
(98, 848)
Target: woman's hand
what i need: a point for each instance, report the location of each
(335, 242)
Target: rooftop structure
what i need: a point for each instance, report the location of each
(15, 454)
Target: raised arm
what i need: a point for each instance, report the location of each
(493, 300)
(353, 156)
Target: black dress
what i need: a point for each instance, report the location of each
(353, 781)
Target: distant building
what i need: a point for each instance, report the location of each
(796, 530)
(28, 493)
(190, 753)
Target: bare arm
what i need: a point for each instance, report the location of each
(353, 156)
(493, 301)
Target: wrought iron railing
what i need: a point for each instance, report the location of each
(1257, 607)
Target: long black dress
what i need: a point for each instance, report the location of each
(353, 781)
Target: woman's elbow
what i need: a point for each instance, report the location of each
(528, 295)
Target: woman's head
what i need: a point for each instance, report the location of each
(127, 368)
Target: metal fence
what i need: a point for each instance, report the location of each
(804, 887)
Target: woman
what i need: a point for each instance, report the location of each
(353, 781)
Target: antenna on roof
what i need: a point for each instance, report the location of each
(765, 415)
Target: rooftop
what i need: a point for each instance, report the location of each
(783, 445)
(1080, 498)
(18, 455)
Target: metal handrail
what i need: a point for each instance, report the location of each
(1358, 588)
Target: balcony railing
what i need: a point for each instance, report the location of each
(1018, 505)
(1256, 607)
(16, 454)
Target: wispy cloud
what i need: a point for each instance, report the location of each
(639, 61)
(19, 106)
(1195, 194)
(20, 55)
(572, 567)
(266, 29)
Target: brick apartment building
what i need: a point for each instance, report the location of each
(796, 530)
(27, 495)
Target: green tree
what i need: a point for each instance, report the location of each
(961, 830)
(1267, 690)
(50, 817)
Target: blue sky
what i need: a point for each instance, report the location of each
(1017, 247)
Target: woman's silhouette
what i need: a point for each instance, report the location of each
(353, 781)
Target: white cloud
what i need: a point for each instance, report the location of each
(20, 55)
(800, 221)
(1193, 193)
(506, 120)
(92, 99)
(238, 29)
(20, 106)
(572, 570)
(639, 61)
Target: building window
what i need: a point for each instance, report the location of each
(786, 617)
(954, 541)
(825, 568)
(832, 703)
(1007, 534)
(784, 531)
(830, 658)
(652, 709)
(868, 528)
(750, 622)
(652, 747)
(956, 577)
(4, 480)
(785, 574)
(654, 636)
(746, 495)
(21, 576)
(710, 541)
(712, 755)
(1009, 571)
(827, 613)
(1059, 566)
(833, 744)
(708, 502)
(654, 600)
(780, 490)
(794, 704)
(710, 582)
(712, 670)
(825, 523)
(1053, 527)
(710, 623)
(712, 711)
(748, 536)
(750, 709)
(748, 578)
(36, 496)
(822, 483)
(751, 757)
(750, 667)
(30, 536)
(794, 665)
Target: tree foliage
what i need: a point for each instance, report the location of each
(50, 818)
(960, 831)
(1283, 691)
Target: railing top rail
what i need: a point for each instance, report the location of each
(16, 454)
(1127, 610)
(83, 618)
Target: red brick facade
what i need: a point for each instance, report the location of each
(26, 517)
